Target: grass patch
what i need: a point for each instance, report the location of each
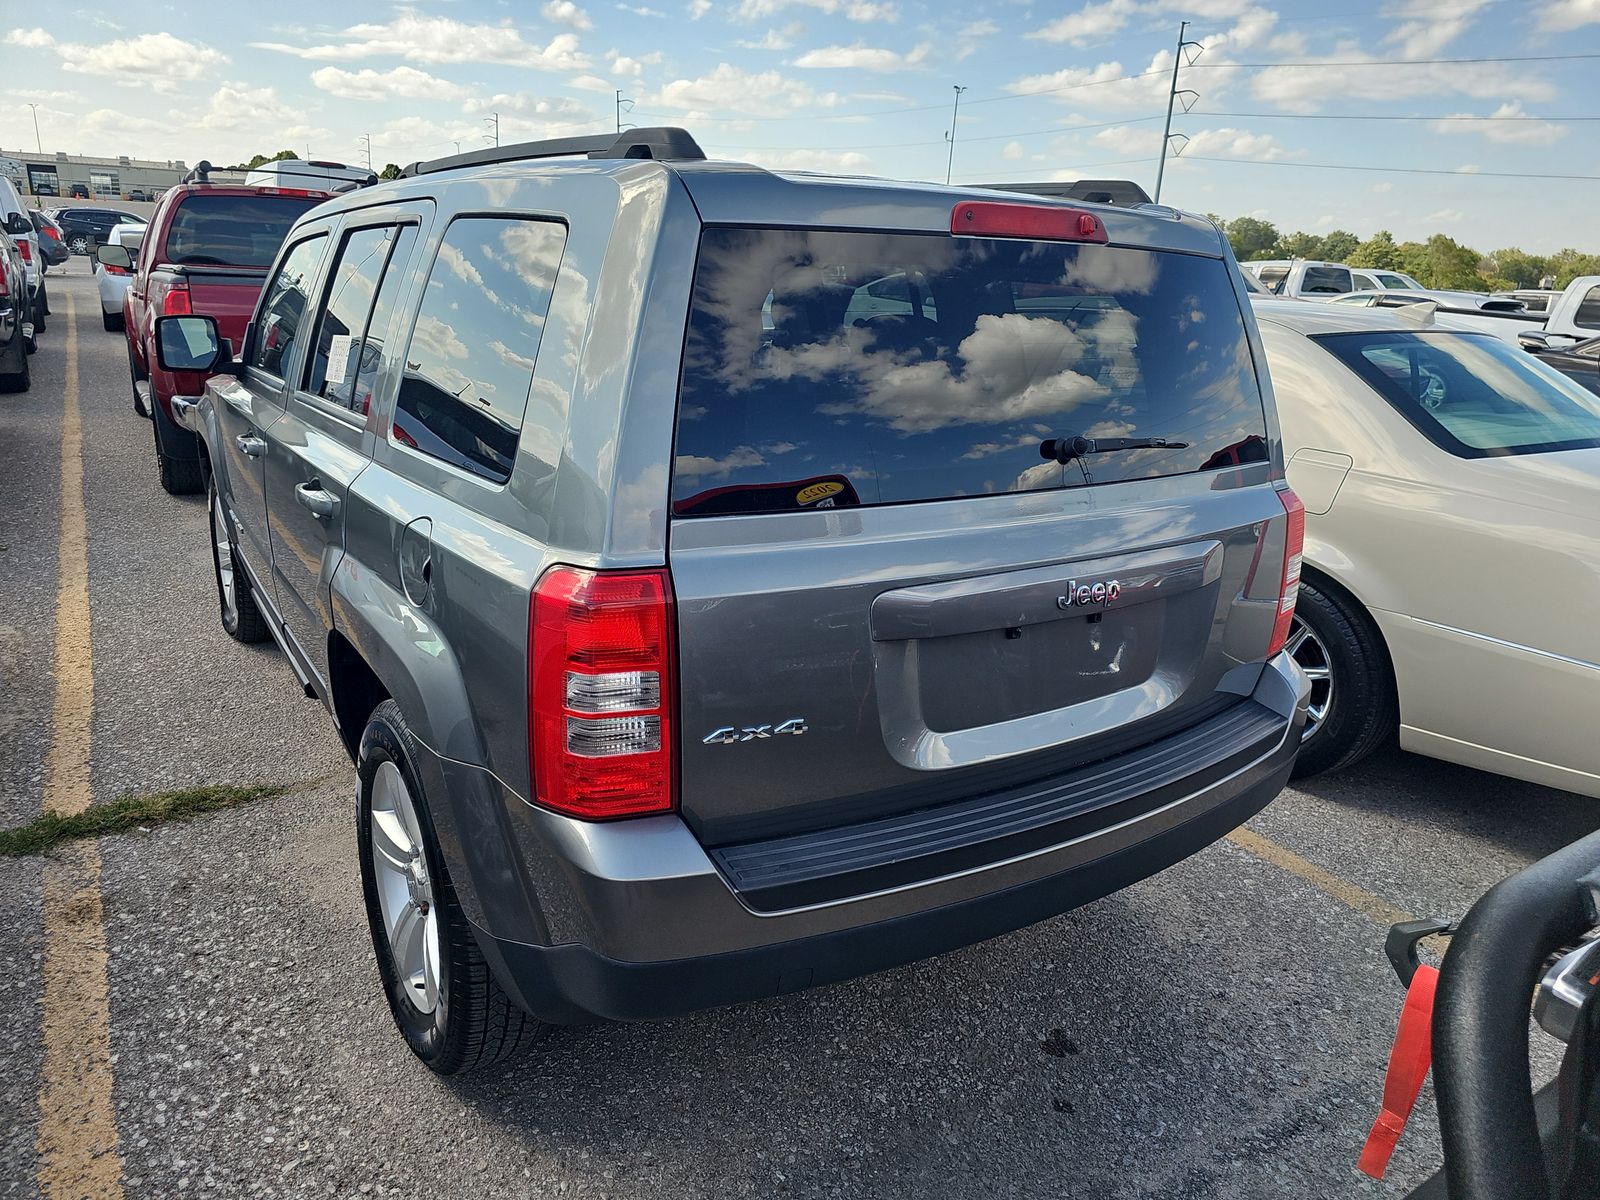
(49, 830)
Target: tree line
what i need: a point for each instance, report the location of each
(390, 170)
(1439, 262)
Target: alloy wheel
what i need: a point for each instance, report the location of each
(227, 585)
(405, 891)
(1309, 651)
(78, 244)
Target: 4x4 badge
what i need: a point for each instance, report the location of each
(728, 734)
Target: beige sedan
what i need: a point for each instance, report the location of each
(1452, 553)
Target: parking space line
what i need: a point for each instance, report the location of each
(77, 1141)
(1342, 890)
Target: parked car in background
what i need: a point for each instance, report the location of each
(1312, 280)
(1535, 300)
(1579, 361)
(138, 194)
(51, 244)
(78, 191)
(113, 272)
(1574, 314)
(19, 229)
(206, 251)
(1452, 493)
(665, 690)
(16, 321)
(1373, 279)
(86, 228)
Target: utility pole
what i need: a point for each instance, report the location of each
(950, 137)
(493, 121)
(37, 140)
(623, 105)
(366, 146)
(1172, 95)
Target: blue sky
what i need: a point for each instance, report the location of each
(866, 86)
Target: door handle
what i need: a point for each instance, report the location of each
(322, 503)
(250, 445)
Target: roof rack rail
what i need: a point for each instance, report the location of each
(1124, 193)
(658, 142)
(200, 174)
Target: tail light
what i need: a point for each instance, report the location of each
(50, 233)
(25, 250)
(109, 269)
(601, 692)
(1294, 541)
(984, 218)
(5, 282)
(176, 302)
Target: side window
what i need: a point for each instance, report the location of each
(470, 362)
(1589, 310)
(288, 294)
(343, 355)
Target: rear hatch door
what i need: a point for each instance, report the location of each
(888, 596)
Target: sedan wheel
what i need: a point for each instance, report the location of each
(1306, 648)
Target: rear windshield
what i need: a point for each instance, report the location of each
(1473, 394)
(232, 231)
(833, 369)
(1325, 279)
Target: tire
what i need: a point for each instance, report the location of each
(80, 243)
(1335, 641)
(179, 476)
(20, 377)
(236, 600)
(461, 1020)
(112, 321)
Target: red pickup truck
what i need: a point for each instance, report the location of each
(207, 252)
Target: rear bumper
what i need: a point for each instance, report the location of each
(635, 921)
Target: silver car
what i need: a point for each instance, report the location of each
(690, 655)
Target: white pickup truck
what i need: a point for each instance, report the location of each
(1573, 315)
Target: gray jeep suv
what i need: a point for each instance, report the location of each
(728, 582)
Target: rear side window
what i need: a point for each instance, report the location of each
(1472, 395)
(346, 359)
(1589, 310)
(470, 362)
(232, 231)
(288, 297)
(830, 369)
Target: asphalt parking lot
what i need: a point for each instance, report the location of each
(1219, 1030)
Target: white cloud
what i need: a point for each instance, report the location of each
(978, 29)
(1012, 151)
(1109, 85)
(628, 68)
(809, 160)
(1208, 143)
(1426, 28)
(565, 12)
(1304, 89)
(1508, 130)
(1090, 23)
(235, 110)
(862, 58)
(397, 82)
(158, 61)
(729, 88)
(592, 83)
(640, 10)
(1446, 216)
(419, 37)
(776, 39)
(1382, 188)
(850, 10)
(698, 9)
(1561, 15)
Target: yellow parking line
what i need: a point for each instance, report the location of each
(77, 1145)
(1342, 890)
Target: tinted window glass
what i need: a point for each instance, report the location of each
(470, 362)
(833, 400)
(1325, 279)
(1589, 310)
(1473, 395)
(287, 297)
(340, 351)
(232, 231)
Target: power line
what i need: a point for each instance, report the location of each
(1258, 162)
(992, 137)
(1404, 62)
(1383, 117)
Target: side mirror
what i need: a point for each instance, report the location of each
(192, 344)
(18, 222)
(1533, 342)
(114, 256)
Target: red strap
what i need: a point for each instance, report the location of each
(1408, 1067)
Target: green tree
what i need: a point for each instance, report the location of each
(1297, 245)
(1339, 245)
(390, 171)
(1378, 251)
(1251, 237)
(1523, 270)
(1567, 265)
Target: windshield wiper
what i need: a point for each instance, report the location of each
(1064, 450)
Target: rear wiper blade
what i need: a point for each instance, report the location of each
(1064, 450)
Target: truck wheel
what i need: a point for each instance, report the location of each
(179, 476)
(442, 995)
(20, 377)
(240, 616)
(1353, 708)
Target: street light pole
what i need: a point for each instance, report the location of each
(37, 140)
(950, 137)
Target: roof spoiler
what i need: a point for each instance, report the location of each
(1124, 193)
(666, 143)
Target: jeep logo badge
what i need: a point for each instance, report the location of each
(1088, 595)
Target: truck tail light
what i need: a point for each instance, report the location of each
(1294, 541)
(991, 218)
(176, 302)
(601, 693)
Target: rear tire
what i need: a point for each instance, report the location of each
(41, 309)
(20, 376)
(112, 321)
(236, 599)
(1336, 642)
(445, 1000)
(179, 476)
